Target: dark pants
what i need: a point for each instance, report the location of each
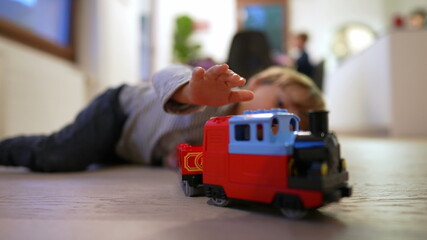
(90, 139)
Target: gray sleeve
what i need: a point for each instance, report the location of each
(167, 81)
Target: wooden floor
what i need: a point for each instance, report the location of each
(389, 201)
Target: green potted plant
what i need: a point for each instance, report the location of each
(184, 50)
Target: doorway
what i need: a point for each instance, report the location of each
(268, 16)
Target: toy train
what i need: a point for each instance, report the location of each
(261, 156)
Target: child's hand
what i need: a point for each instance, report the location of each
(213, 87)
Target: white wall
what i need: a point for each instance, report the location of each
(2, 96)
(409, 81)
(331, 15)
(109, 42)
(146, 40)
(358, 94)
(383, 89)
(119, 40)
(39, 92)
(220, 15)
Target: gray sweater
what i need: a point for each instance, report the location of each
(156, 124)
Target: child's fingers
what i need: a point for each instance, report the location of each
(232, 80)
(240, 95)
(215, 71)
(198, 73)
(235, 81)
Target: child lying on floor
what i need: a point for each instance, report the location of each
(143, 124)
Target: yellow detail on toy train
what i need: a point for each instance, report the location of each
(193, 161)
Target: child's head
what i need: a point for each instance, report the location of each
(300, 40)
(417, 19)
(278, 87)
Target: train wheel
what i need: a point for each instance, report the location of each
(189, 191)
(220, 202)
(293, 213)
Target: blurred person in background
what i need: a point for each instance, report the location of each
(249, 53)
(297, 57)
(418, 19)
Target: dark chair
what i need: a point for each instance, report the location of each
(249, 53)
(318, 74)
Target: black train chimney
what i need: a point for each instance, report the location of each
(318, 122)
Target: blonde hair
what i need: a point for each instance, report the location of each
(284, 77)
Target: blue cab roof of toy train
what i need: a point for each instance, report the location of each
(274, 110)
(263, 132)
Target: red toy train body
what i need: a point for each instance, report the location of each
(261, 156)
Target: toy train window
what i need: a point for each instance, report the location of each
(274, 126)
(293, 125)
(259, 132)
(242, 132)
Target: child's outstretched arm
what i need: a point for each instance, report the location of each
(213, 87)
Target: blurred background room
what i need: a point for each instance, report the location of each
(366, 55)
